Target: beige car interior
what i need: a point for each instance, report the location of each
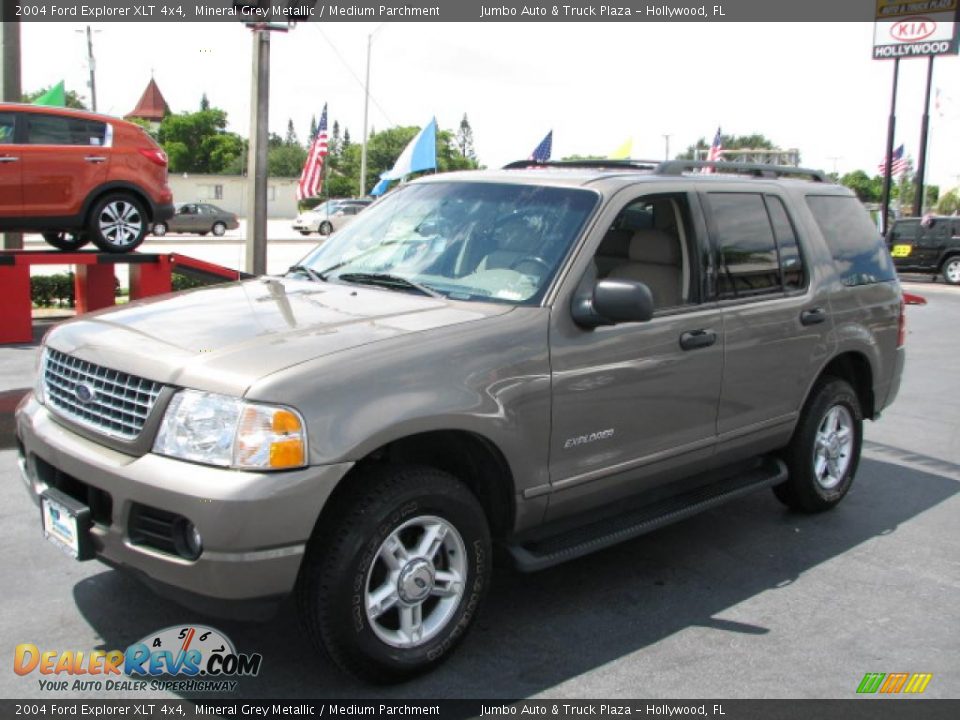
(647, 243)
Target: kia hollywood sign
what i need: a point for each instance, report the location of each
(915, 29)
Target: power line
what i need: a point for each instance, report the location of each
(350, 70)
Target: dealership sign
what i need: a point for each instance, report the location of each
(905, 29)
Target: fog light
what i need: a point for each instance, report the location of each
(187, 539)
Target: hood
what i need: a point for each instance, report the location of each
(224, 338)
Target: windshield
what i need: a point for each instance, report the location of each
(466, 241)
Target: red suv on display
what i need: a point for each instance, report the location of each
(78, 177)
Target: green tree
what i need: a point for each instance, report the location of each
(204, 102)
(868, 189)
(291, 136)
(730, 142)
(286, 160)
(465, 139)
(949, 203)
(73, 99)
(199, 142)
(334, 144)
(313, 127)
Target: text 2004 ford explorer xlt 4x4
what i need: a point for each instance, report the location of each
(553, 359)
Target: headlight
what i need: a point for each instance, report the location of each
(41, 371)
(222, 430)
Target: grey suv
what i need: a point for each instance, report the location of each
(548, 360)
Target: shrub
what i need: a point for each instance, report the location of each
(47, 289)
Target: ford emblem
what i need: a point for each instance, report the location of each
(85, 392)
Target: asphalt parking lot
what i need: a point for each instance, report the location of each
(745, 601)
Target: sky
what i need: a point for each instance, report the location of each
(810, 86)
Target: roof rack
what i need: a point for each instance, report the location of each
(677, 167)
(601, 164)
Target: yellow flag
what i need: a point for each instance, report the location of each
(622, 152)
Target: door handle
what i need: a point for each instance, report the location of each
(697, 339)
(7, 158)
(95, 159)
(814, 316)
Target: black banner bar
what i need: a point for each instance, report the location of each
(873, 708)
(282, 11)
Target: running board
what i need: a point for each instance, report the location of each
(555, 549)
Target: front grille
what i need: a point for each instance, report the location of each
(118, 405)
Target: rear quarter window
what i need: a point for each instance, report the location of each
(860, 255)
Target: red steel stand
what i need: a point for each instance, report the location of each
(94, 281)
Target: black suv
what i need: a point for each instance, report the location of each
(928, 245)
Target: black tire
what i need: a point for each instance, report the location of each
(325, 228)
(951, 270)
(160, 229)
(218, 229)
(344, 557)
(814, 484)
(304, 232)
(118, 223)
(66, 240)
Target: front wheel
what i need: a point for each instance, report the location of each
(160, 229)
(305, 232)
(219, 229)
(325, 228)
(393, 580)
(66, 240)
(951, 270)
(118, 223)
(825, 450)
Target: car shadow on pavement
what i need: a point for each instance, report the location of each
(542, 629)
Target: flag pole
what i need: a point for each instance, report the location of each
(922, 160)
(888, 162)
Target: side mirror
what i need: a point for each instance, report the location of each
(609, 302)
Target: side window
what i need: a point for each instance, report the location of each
(904, 232)
(852, 238)
(648, 242)
(57, 130)
(791, 261)
(747, 252)
(6, 128)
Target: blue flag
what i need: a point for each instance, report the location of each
(544, 150)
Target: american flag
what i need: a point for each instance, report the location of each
(897, 167)
(544, 150)
(716, 152)
(311, 179)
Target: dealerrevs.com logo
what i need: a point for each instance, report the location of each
(201, 658)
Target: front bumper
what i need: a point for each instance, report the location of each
(254, 525)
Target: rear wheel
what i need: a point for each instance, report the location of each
(118, 223)
(825, 450)
(219, 229)
(325, 228)
(951, 270)
(160, 229)
(66, 240)
(393, 581)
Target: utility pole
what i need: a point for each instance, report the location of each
(666, 152)
(922, 159)
(92, 65)
(10, 91)
(256, 244)
(888, 162)
(366, 108)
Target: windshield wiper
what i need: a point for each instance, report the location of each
(388, 281)
(309, 272)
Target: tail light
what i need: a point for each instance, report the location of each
(154, 155)
(902, 324)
